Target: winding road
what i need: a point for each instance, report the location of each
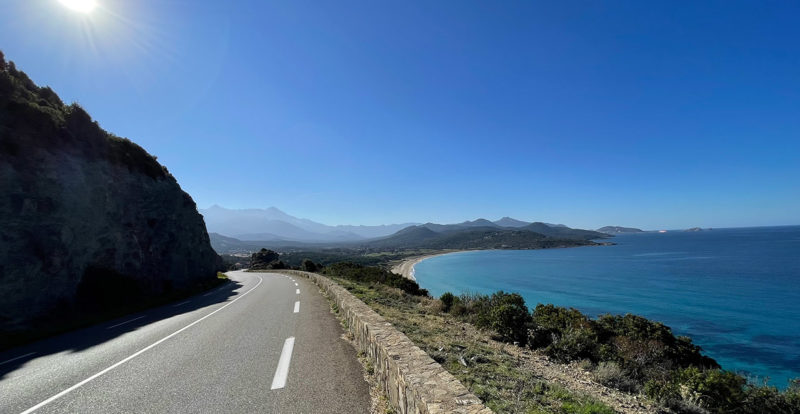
(263, 342)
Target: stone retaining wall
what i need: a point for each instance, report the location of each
(413, 382)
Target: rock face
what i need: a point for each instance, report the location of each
(87, 220)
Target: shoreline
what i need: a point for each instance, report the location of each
(406, 267)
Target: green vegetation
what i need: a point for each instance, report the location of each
(691, 390)
(628, 352)
(498, 377)
(309, 266)
(503, 313)
(293, 257)
(266, 259)
(421, 237)
(34, 116)
(372, 275)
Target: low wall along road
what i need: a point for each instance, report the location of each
(412, 380)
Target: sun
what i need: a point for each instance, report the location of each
(82, 6)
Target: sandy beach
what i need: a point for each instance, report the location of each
(406, 267)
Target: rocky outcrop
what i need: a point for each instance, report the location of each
(265, 259)
(87, 220)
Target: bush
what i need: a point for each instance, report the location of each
(769, 400)
(565, 334)
(716, 390)
(263, 259)
(648, 342)
(504, 313)
(276, 264)
(509, 317)
(447, 300)
(308, 266)
(610, 374)
(359, 273)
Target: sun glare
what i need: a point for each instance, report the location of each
(83, 6)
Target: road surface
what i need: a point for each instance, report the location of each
(264, 342)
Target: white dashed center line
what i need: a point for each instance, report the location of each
(297, 292)
(279, 381)
(297, 307)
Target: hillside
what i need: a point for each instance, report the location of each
(563, 232)
(88, 220)
(476, 234)
(510, 222)
(438, 236)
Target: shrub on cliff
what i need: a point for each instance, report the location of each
(447, 300)
(372, 274)
(716, 391)
(503, 313)
(642, 348)
(564, 334)
(508, 317)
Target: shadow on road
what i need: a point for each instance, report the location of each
(85, 338)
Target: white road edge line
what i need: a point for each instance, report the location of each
(215, 290)
(179, 304)
(297, 307)
(279, 381)
(19, 357)
(143, 350)
(123, 323)
(297, 292)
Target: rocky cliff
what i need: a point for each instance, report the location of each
(88, 220)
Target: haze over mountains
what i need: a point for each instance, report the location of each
(272, 224)
(248, 229)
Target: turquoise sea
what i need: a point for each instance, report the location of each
(735, 292)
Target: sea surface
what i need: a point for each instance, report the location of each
(735, 292)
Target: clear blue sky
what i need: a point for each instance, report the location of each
(649, 114)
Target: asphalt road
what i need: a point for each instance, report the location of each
(244, 347)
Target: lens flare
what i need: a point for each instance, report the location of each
(82, 6)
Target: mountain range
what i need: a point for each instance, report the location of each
(245, 230)
(273, 225)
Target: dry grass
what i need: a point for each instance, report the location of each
(492, 371)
